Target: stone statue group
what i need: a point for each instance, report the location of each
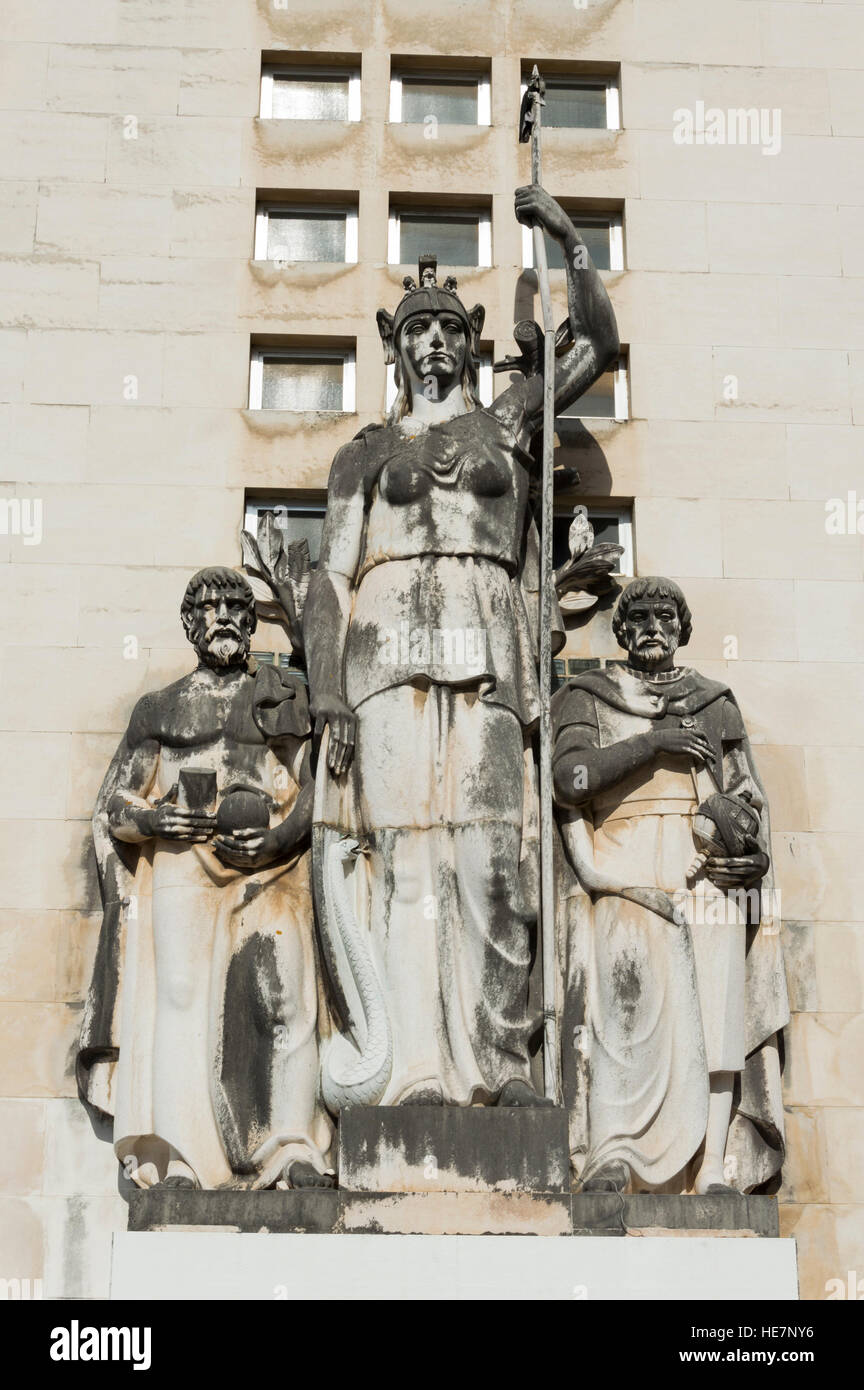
(321, 893)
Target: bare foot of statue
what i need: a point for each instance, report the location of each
(298, 1173)
(519, 1093)
(611, 1177)
(710, 1181)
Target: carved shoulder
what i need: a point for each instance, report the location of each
(143, 724)
(353, 469)
(152, 716)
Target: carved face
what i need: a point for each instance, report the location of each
(432, 348)
(220, 628)
(652, 631)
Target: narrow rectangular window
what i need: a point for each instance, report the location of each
(606, 399)
(447, 98)
(602, 234)
(298, 520)
(457, 238)
(310, 94)
(286, 232)
(610, 521)
(302, 379)
(582, 101)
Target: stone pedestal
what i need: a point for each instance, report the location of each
(434, 1171)
(448, 1149)
(447, 1204)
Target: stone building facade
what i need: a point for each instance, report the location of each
(133, 157)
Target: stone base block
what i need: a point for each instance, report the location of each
(444, 1212)
(314, 1211)
(419, 1148)
(185, 1265)
(456, 1213)
(607, 1214)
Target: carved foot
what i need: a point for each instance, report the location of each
(611, 1177)
(519, 1093)
(299, 1174)
(428, 1095)
(180, 1180)
(710, 1179)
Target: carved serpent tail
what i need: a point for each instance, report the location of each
(352, 1076)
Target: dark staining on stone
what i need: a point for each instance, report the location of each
(627, 987)
(252, 1013)
(502, 1023)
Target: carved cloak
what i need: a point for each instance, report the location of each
(586, 895)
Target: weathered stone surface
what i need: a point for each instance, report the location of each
(158, 1209)
(673, 977)
(447, 1212)
(199, 927)
(718, 212)
(455, 1213)
(609, 1214)
(426, 1149)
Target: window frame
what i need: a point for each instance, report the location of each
(347, 356)
(616, 238)
(621, 396)
(254, 506)
(484, 232)
(308, 71)
(481, 79)
(263, 211)
(622, 512)
(611, 83)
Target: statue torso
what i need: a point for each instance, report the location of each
(199, 725)
(459, 488)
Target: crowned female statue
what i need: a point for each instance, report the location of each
(420, 631)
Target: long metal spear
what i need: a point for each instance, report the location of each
(529, 128)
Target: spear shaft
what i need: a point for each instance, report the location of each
(547, 876)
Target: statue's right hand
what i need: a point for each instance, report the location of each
(689, 742)
(333, 711)
(170, 822)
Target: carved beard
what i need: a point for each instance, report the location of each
(652, 656)
(223, 645)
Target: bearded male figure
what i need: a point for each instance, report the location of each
(674, 991)
(200, 1033)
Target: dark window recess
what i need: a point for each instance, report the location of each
(286, 662)
(605, 529)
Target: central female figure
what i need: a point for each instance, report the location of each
(420, 635)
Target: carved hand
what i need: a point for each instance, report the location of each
(738, 871)
(169, 822)
(687, 741)
(333, 711)
(536, 207)
(247, 849)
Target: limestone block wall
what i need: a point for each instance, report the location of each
(131, 152)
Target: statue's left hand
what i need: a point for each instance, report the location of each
(536, 207)
(737, 871)
(246, 849)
